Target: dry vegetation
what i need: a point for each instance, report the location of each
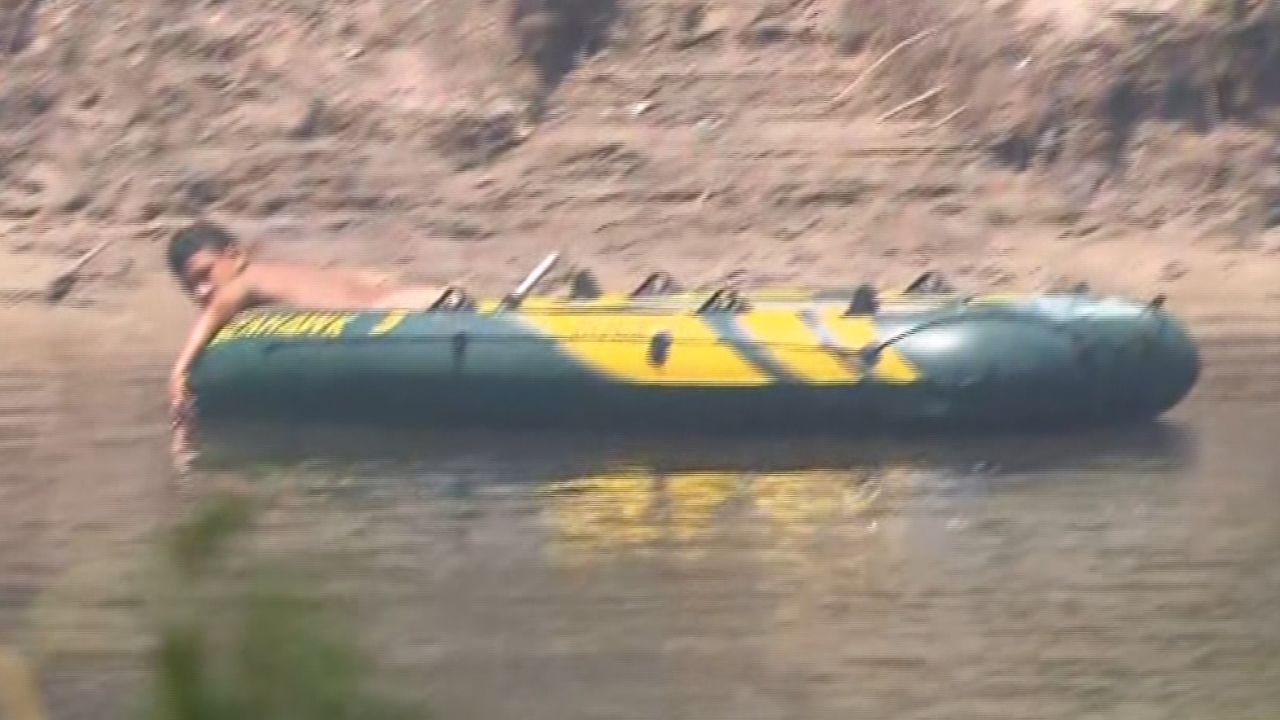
(1030, 89)
(367, 118)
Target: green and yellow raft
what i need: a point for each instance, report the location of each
(710, 361)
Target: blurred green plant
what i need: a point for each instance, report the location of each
(242, 636)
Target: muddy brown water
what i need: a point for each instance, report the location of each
(1130, 573)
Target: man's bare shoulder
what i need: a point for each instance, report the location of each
(268, 272)
(293, 284)
(235, 296)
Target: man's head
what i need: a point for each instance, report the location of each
(205, 258)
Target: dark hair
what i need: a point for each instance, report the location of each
(194, 238)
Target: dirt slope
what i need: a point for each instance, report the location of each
(713, 139)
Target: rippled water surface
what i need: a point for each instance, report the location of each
(1130, 573)
(1118, 574)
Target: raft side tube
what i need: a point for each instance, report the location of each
(1003, 360)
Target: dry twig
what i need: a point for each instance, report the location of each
(950, 116)
(883, 59)
(912, 102)
(62, 284)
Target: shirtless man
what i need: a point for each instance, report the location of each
(214, 269)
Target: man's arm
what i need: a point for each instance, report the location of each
(220, 310)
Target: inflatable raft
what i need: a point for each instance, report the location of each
(662, 358)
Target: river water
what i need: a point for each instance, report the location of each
(1127, 573)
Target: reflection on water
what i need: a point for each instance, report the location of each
(603, 492)
(638, 508)
(1121, 573)
(533, 456)
(1114, 573)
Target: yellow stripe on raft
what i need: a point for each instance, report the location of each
(389, 322)
(611, 301)
(854, 333)
(795, 347)
(617, 347)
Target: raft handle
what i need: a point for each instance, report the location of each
(458, 349)
(453, 298)
(516, 297)
(659, 348)
(584, 286)
(725, 299)
(864, 301)
(657, 283)
(929, 282)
